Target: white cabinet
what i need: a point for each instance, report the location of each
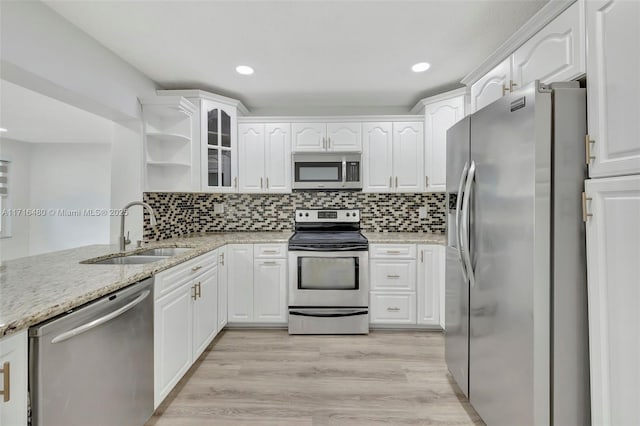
(430, 284)
(492, 86)
(555, 53)
(613, 268)
(218, 141)
(438, 118)
(269, 287)
(613, 85)
(326, 137)
(240, 282)
(170, 154)
(264, 152)
(393, 284)
(393, 157)
(13, 379)
(257, 283)
(222, 287)
(185, 319)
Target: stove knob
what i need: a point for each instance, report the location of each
(306, 214)
(348, 214)
(300, 214)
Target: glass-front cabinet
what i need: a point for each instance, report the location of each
(219, 141)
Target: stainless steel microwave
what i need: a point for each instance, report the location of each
(327, 171)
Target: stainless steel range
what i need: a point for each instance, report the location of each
(328, 274)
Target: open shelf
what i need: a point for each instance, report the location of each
(168, 137)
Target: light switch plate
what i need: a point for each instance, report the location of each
(218, 208)
(422, 212)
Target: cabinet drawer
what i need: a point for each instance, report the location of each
(393, 251)
(170, 279)
(269, 251)
(392, 308)
(393, 275)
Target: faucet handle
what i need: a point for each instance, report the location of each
(127, 240)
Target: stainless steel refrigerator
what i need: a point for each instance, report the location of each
(516, 338)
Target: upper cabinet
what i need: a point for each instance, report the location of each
(554, 53)
(264, 152)
(327, 137)
(613, 67)
(393, 156)
(492, 86)
(170, 154)
(440, 113)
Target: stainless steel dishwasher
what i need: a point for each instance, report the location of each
(94, 365)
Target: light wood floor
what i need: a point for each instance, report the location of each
(266, 377)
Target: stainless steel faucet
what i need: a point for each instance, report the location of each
(124, 240)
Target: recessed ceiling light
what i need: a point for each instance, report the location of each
(2, 129)
(421, 67)
(244, 70)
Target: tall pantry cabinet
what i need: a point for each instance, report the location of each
(611, 209)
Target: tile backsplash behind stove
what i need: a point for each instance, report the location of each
(185, 213)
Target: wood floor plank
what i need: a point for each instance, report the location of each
(266, 377)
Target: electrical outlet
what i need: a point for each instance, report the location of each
(218, 208)
(422, 212)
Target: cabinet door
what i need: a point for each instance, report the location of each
(222, 287)
(377, 157)
(613, 67)
(270, 291)
(308, 137)
(240, 279)
(219, 144)
(172, 339)
(408, 156)
(613, 250)
(251, 150)
(491, 86)
(345, 137)
(392, 308)
(205, 310)
(429, 284)
(278, 157)
(439, 117)
(13, 353)
(555, 53)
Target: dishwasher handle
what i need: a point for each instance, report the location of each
(93, 324)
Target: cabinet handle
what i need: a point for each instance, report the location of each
(324, 143)
(6, 372)
(194, 294)
(394, 309)
(587, 149)
(426, 182)
(195, 268)
(421, 256)
(235, 182)
(585, 214)
(512, 85)
(222, 259)
(328, 143)
(505, 89)
(390, 181)
(267, 183)
(199, 289)
(396, 181)
(260, 183)
(393, 276)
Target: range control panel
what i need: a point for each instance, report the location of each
(310, 216)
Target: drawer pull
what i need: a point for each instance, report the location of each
(270, 263)
(195, 268)
(6, 372)
(393, 276)
(270, 251)
(393, 252)
(393, 309)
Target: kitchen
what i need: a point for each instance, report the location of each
(218, 276)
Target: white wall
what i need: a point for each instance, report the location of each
(19, 153)
(69, 176)
(44, 52)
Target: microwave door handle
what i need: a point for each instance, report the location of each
(344, 172)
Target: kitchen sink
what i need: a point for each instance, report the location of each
(134, 259)
(164, 251)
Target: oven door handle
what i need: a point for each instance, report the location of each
(328, 250)
(329, 313)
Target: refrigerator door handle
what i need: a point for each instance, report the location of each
(465, 222)
(463, 176)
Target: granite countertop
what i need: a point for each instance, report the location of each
(36, 288)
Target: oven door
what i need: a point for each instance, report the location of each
(328, 279)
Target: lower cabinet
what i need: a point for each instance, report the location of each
(257, 291)
(185, 319)
(13, 379)
(406, 283)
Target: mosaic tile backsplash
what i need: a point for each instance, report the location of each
(185, 213)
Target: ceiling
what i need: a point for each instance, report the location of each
(306, 53)
(29, 116)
